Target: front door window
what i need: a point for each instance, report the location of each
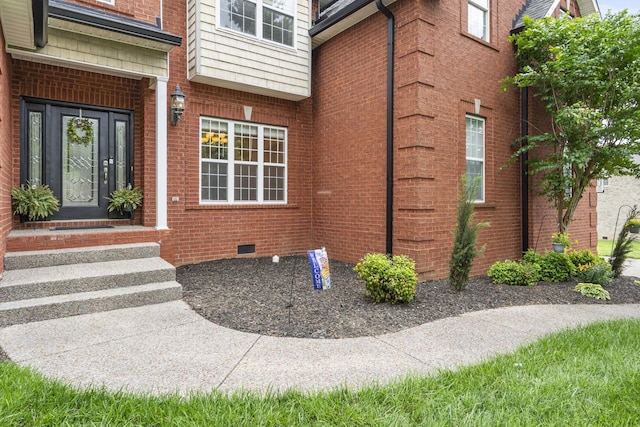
(80, 168)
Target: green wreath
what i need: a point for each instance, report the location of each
(85, 137)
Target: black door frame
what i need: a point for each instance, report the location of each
(52, 154)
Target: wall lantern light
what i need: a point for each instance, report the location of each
(177, 105)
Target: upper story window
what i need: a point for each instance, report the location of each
(475, 155)
(242, 162)
(266, 19)
(478, 19)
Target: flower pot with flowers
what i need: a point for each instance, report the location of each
(560, 241)
(633, 225)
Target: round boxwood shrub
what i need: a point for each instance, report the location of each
(514, 273)
(390, 279)
(556, 267)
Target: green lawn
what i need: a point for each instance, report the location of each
(586, 376)
(605, 246)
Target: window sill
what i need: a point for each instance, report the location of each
(479, 40)
(201, 207)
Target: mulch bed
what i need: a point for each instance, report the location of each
(259, 296)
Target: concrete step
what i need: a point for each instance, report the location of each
(94, 254)
(52, 307)
(73, 278)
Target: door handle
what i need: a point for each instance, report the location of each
(105, 169)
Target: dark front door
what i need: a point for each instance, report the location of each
(80, 171)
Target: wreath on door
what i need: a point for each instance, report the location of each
(80, 131)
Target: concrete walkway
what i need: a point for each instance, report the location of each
(168, 347)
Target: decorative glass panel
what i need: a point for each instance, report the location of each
(121, 154)
(35, 147)
(80, 169)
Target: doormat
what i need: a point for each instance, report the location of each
(79, 227)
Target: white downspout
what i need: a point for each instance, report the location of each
(161, 153)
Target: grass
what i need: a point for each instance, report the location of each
(604, 248)
(585, 376)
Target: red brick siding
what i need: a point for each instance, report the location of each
(5, 149)
(439, 72)
(201, 233)
(543, 217)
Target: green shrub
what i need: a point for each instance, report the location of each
(514, 273)
(584, 257)
(623, 245)
(592, 290)
(388, 279)
(532, 257)
(556, 267)
(34, 201)
(464, 237)
(599, 273)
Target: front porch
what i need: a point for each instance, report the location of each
(53, 235)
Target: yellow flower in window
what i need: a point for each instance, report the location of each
(223, 138)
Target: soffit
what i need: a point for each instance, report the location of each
(17, 23)
(340, 16)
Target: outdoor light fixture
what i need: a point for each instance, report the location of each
(177, 105)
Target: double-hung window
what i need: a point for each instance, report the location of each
(242, 162)
(475, 156)
(265, 19)
(478, 19)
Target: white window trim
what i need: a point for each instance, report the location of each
(231, 162)
(258, 37)
(484, 154)
(111, 2)
(487, 18)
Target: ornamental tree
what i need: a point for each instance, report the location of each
(586, 72)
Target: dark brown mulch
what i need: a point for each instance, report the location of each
(256, 295)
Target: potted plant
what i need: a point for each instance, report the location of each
(125, 199)
(633, 225)
(560, 241)
(33, 201)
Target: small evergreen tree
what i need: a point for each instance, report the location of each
(623, 245)
(465, 237)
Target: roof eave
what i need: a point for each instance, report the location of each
(87, 16)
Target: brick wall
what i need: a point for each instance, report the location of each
(440, 72)
(543, 219)
(5, 149)
(199, 232)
